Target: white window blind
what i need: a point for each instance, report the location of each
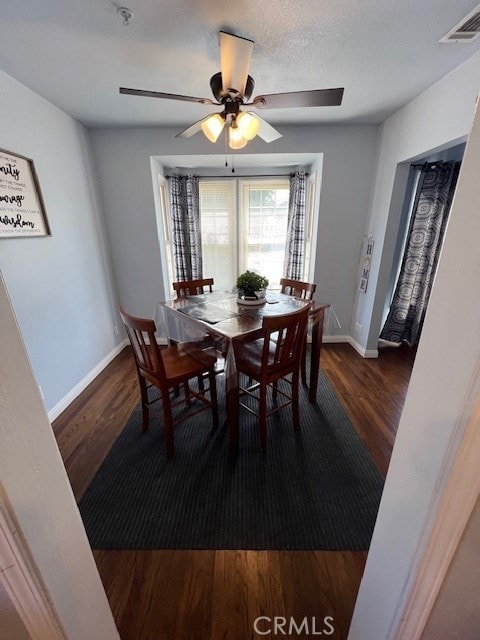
(219, 232)
(244, 226)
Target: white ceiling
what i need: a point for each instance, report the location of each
(76, 53)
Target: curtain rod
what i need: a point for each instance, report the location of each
(433, 163)
(425, 164)
(258, 175)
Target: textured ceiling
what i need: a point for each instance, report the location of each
(77, 53)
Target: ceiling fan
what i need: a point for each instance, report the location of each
(232, 88)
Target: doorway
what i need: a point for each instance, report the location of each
(424, 216)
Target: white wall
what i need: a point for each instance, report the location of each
(438, 117)
(61, 286)
(35, 484)
(437, 406)
(123, 165)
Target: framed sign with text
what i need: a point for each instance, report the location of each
(22, 212)
(367, 262)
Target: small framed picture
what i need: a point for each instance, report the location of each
(22, 211)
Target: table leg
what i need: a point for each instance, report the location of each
(317, 334)
(232, 393)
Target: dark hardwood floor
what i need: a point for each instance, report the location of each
(213, 595)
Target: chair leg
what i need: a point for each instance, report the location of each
(188, 397)
(145, 408)
(304, 362)
(201, 384)
(295, 409)
(262, 416)
(275, 391)
(213, 397)
(168, 423)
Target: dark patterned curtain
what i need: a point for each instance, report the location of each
(295, 243)
(422, 251)
(185, 223)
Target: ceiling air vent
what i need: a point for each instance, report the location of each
(466, 30)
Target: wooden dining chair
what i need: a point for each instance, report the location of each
(304, 290)
(186, 288)
(297, 288)
(169, 369)
(192, 287)
(269, 356)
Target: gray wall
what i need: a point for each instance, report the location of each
(123, 166)
(60, 286)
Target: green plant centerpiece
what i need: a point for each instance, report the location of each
(249, 284)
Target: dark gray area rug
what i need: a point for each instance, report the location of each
(312, 489)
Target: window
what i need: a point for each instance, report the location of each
(309, 242)
(248, 236)
(263, 227)
(244, 226)
(167, 257)
(219, 231)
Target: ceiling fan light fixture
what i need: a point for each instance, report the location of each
(248, 124)
(235, 138)
(232, 88)
(212, 126)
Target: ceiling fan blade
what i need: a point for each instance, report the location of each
(316, 98)
(235, 57)
(168, 96)
(192, 129)
(266, 131)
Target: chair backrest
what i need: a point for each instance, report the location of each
(192, 287)
(285, 349)
(141, 333)
(297, 288)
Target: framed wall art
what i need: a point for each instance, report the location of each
(22, 212)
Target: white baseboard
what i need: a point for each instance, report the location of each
(365, 353)
(335, 338)
(83, 384)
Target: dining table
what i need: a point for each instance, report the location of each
(221, 318)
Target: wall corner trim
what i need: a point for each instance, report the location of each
(83, 384)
